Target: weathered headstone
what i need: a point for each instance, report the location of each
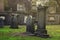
(21, 19)
(1, 23)
(30, 25)
(7, 19)
(41, 29)
(14, 22)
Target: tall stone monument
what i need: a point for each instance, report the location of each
(41, 25)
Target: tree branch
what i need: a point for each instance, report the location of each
(58, 2)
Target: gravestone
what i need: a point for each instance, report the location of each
(1, 23)
(7, 19)
(41, 25)
(30, 25)
(21, 19)
(14, 22)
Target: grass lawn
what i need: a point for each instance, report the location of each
(8, 34)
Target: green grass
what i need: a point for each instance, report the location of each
(5, 33)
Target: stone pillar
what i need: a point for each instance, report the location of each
(30, 25)
(41, 29)
(14, 22)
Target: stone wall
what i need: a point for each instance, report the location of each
(56, 18)
(12, 4)
(1, 5)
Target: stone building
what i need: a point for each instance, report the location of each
(52, 14)
(1, 5)
(52, 17)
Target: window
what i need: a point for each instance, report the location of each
(20, 7)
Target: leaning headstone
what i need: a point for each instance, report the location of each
(14, 22)
(30, 25)
(1, 23)
(41, 29)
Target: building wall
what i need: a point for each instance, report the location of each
(53, 18)
(50, 18)
(54, 14)
(12, 4)
(1, 5)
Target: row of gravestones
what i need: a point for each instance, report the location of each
(30, 29)
(41, 23)
(14, 22)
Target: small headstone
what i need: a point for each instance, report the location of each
(21, 19)
(30, 25)
(1, 23)
(14, 22)
(7, 20)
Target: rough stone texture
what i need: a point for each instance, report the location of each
(1, 5)
(13, 4)
(14, 22)
(41, 29)
(1, 23)
(30, 25)
(21, 19)
(7, 19)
